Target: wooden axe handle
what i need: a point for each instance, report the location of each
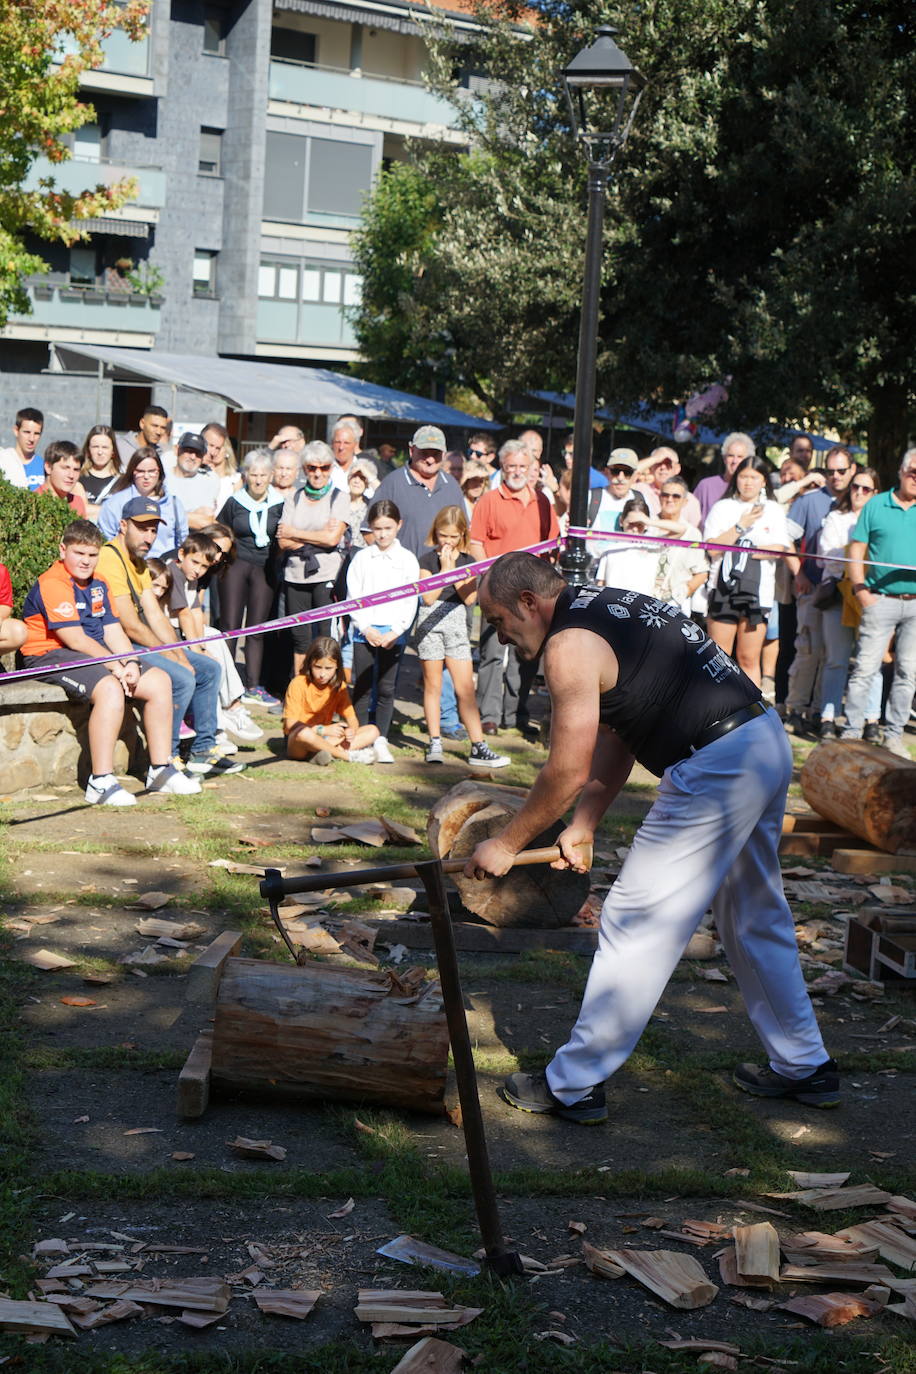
(525, 858)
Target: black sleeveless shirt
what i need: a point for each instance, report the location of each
(673, 681)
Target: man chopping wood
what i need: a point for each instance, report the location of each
(631, 678)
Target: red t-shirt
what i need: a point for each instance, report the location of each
(6, 587)
(503, 524)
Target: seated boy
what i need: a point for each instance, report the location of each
(12, 632)
(68, 617)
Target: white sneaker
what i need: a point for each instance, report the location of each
(362, 755)
(382, 752)
(238, 722)
(224, 744)
(105, 790)
(895, 745)
(168, 778)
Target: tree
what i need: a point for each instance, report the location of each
(44, 46)
(760, 221)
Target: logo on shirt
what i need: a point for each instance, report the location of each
(97, 606)
(65, 611)
(620, 612)
(692, 632)
(585, 598)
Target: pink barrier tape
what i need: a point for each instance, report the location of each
(576, 532)
(428, 584)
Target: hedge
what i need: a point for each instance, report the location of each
(30, 530)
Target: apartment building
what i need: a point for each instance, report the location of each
(254, 129)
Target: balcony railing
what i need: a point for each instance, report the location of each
(305, 323)
(331, 88)
(77, 176)
(64, 305)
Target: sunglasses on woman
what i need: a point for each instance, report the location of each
(861, 486)
(318, 467)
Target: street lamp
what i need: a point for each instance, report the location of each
(603, 89)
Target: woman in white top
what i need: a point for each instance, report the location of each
(380, 632)
(839, 630)
(313, 523)
(741, 585)
(632, 567)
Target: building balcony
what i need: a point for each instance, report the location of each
(80, 175)
(62, 311)
(375, 100)
(303, 324)
(125, 66)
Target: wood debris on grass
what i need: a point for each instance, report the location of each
(677, 1279)
(856, 1275)
(119, 1311)
(169, 930)
(34, 1318)
(405, 1308)
(893, 1244)
(287, 1302)
(757, 1253)
(837, 1199)
(256, 870)
(47, 960)
(831, 1309)
(809, 1180)
(815, 1246)
(256, 1149)
(431, 1356)
(152, 901)
(197, 1294)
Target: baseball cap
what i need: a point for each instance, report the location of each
(430, 436)
(143, 510)
(623, 458)
(195, 443)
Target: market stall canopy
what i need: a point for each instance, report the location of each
(256, 386)
(662, 423)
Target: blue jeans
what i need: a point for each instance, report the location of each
(448, 705)
(198, 689)
(883, 618)
(839, 642)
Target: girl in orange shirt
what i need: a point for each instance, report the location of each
(318, 717)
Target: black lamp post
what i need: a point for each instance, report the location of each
(603, 89)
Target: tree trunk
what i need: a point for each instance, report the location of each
(864, 790)
(888, 430)
(317, 1031)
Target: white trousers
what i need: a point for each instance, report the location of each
(711, 838)
(231, 686)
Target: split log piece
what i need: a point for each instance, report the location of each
(34, 1318)
(757, 1252)
(831, 1309)
(678, 1280)
(430, 1356)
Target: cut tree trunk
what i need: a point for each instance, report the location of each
(317, 1031)
(538, 896)
(866, 790)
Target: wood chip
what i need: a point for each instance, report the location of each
(757, 1253)
(835, 1199)
(400, 834)
(893, 1244)
(600, 1262)
(47, 960)
(34, 1318)
(677, 1279)
(578, 1227)
(343, 1211)
(326, 835)
(287, 1302)
(808, 1180)
(366, 832)
(198, 1320)
(856, 1275)
(430, 1356)
(103, 1316)
(171, 930)
(78, 1001)
(831, 1309)
(696, 1343)
(152, 901)
(403, 1307)
(144, 1130)
(256, 1149)
(256, 870)
(199, 1294)
(728, 1271)
(816, 1246)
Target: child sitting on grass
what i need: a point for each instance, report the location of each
(318, 717)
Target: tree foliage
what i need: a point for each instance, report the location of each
(760, 221)
(44, 47)
(32, 526)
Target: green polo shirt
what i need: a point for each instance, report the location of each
(889, 532)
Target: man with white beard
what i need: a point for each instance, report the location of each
(507, 518)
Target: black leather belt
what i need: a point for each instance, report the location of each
(900, 596)
(729, 723)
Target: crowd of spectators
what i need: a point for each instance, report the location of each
(814, 597)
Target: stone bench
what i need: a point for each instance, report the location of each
(44, 737)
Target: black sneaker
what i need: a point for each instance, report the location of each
(213, 765)
(482, 756)
(872, 732)
(795, 724)
(828, 730)
(820, 1089)
(529, 1093)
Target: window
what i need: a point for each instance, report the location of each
(292, 45)
(204, 272)
(315, 176)
(209, 161)
(82, 265)
(310, 282)
(214, 33)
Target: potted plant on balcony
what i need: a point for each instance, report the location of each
(42, 290)
(146, 282)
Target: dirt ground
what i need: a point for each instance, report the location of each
(101, 1080)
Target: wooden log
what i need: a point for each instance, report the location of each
(757, 1252)
(864, 790)
(538, 896)
(454, 806)
(318, 1031)
(194, 1079)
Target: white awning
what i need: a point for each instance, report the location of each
(252, 386)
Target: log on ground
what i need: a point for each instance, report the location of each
(864, 790)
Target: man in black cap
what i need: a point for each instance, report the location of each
(195, 486)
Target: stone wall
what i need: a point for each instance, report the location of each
(44, 738)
